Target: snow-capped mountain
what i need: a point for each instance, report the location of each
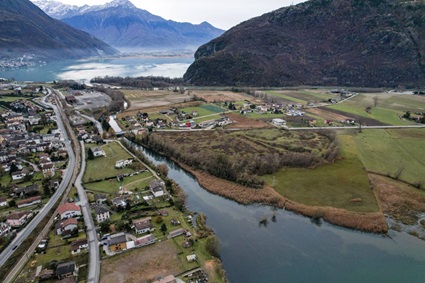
(126, 27)
(58, 10)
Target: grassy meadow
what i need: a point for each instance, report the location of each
(102, 167)
(398, 153)
(343, 184)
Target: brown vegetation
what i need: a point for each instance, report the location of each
(242, 122)
(370, 222)
(155, 260)
(400, 200)
(240, 156)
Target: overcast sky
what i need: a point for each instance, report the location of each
(222, 14)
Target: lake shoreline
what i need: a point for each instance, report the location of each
(373, 222)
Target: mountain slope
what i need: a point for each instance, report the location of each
(122, 25)
(24, 28)
(320, 42)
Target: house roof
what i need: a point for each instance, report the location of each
(17, 215)
(143, 225)
(99, 197)
(100, 210)
(65, 268)
(176, 232)
(68, 207)
(155, 183)
(117, 239)
(75, 245)
(144, 239)
(69, 221)
(3, 199)
(28, 200)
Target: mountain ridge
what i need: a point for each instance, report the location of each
(370, 43)
(126, 27)
(24, 28)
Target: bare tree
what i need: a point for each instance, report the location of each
(375, 101)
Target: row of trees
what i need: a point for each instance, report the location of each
(241, 168)
(141, 82)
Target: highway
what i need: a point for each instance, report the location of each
(24, 233)
(94, 256)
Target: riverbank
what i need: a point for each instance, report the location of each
(369, 222)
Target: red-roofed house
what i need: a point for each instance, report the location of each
(68, 210)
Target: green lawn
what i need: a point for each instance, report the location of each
(102, 167)
(394, 152)
(335, 185)
(112, 186)
(203, 110)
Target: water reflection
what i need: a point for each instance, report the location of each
(292, 249)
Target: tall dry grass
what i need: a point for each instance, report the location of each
(368, 222)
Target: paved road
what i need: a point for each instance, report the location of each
(4, 256)
(96, 122)
(94, 256)
(356, 127)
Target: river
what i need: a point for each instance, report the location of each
(293, 249)
(172, 66)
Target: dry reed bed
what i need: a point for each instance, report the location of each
(369, 222)
(401, 201)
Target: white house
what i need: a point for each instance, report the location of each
(102, 214)
(143, 225)
(66, 226)
(156, 189)
(123, 163)
(17, 219)
(29, 201)
(97, 151)
(145, 240)
(278, 122)
(68, 210)
(78, 245)
(18, 175)
(48, 170)
(3, 201)
(4, 228)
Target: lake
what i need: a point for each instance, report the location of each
(293, 249)
(173, 66)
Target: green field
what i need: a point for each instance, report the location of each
(204, 110)
(394, 152)
(103, 167)
(343, 184)
(112, 186)
(389, 106)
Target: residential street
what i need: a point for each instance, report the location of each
(94, 256)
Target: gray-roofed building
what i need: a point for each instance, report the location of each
(102, 214)
(117, 242)
(66, 269)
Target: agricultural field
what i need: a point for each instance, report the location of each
(397, 153)
(343, 184)
(140, 99)
(104, 166)
(222, 96)
(388, 110)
